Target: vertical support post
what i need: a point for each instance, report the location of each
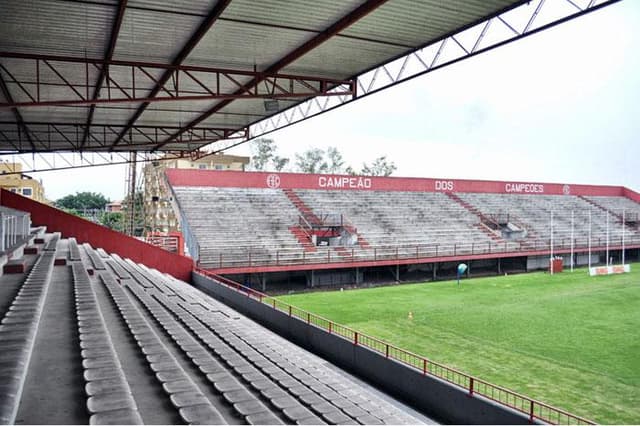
(386, 351)
(531, 411)
(589, 237)
(424, 366)
(131, 192)
(572, 224)
(551, 244)
(355, 338)
(330, 327)
(623, 221)
(470, 385)
(607, 239)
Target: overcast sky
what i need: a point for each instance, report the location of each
(559, 106)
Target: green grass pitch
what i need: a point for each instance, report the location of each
(568, 339)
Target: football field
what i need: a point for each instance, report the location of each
(568, 339)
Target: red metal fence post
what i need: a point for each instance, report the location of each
(355, 338)
(424, 366)
(470, 385)
(531, 412)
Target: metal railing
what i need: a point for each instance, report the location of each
(534, 409)
(254, 257)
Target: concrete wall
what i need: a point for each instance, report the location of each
(581, 259)
(99, 236)
(427, 394)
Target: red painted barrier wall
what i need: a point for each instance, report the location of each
(99, 236)
(185, 177)
(632, 195)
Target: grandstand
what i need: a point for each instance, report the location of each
(98, 336)
(238, 224)
(138, 346)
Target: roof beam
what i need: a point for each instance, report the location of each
(204, 27)
(197, 83)
(19, 120)
(349, 19)
(115, 31)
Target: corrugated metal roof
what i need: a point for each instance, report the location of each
(153, 36)
(416, 22)
(243, 46)
(192, 7)
(54, 27)
(248, 35)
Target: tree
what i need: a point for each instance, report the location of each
(379, 167)
(312, 161)
(81, 201)
(265, 155)
(335, 161)
(113, 220)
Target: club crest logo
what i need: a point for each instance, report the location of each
(566, 190)
(273, 181)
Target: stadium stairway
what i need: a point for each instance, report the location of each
(600, 207)
(304, 210)
(140, 347)
(303, 239)
(477, 213)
